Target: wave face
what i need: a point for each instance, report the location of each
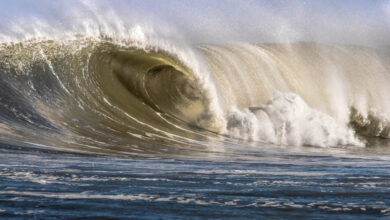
(302, 93)
(134, 97)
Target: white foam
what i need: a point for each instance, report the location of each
(287, 120)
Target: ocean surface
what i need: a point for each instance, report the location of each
(250, 183)
(108, 119)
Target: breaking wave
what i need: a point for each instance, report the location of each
(136, 94)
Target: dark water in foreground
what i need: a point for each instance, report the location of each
(271, 184)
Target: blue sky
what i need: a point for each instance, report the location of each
(356, 21)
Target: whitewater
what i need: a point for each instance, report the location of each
(109, 109)
(321, 95)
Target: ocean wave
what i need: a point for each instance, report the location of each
(108, 95)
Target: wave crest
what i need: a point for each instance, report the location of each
(105, 96)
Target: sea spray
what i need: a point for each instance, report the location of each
(287, 120)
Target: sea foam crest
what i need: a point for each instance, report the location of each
(287, 120)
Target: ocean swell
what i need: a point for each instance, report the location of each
(109, 96)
